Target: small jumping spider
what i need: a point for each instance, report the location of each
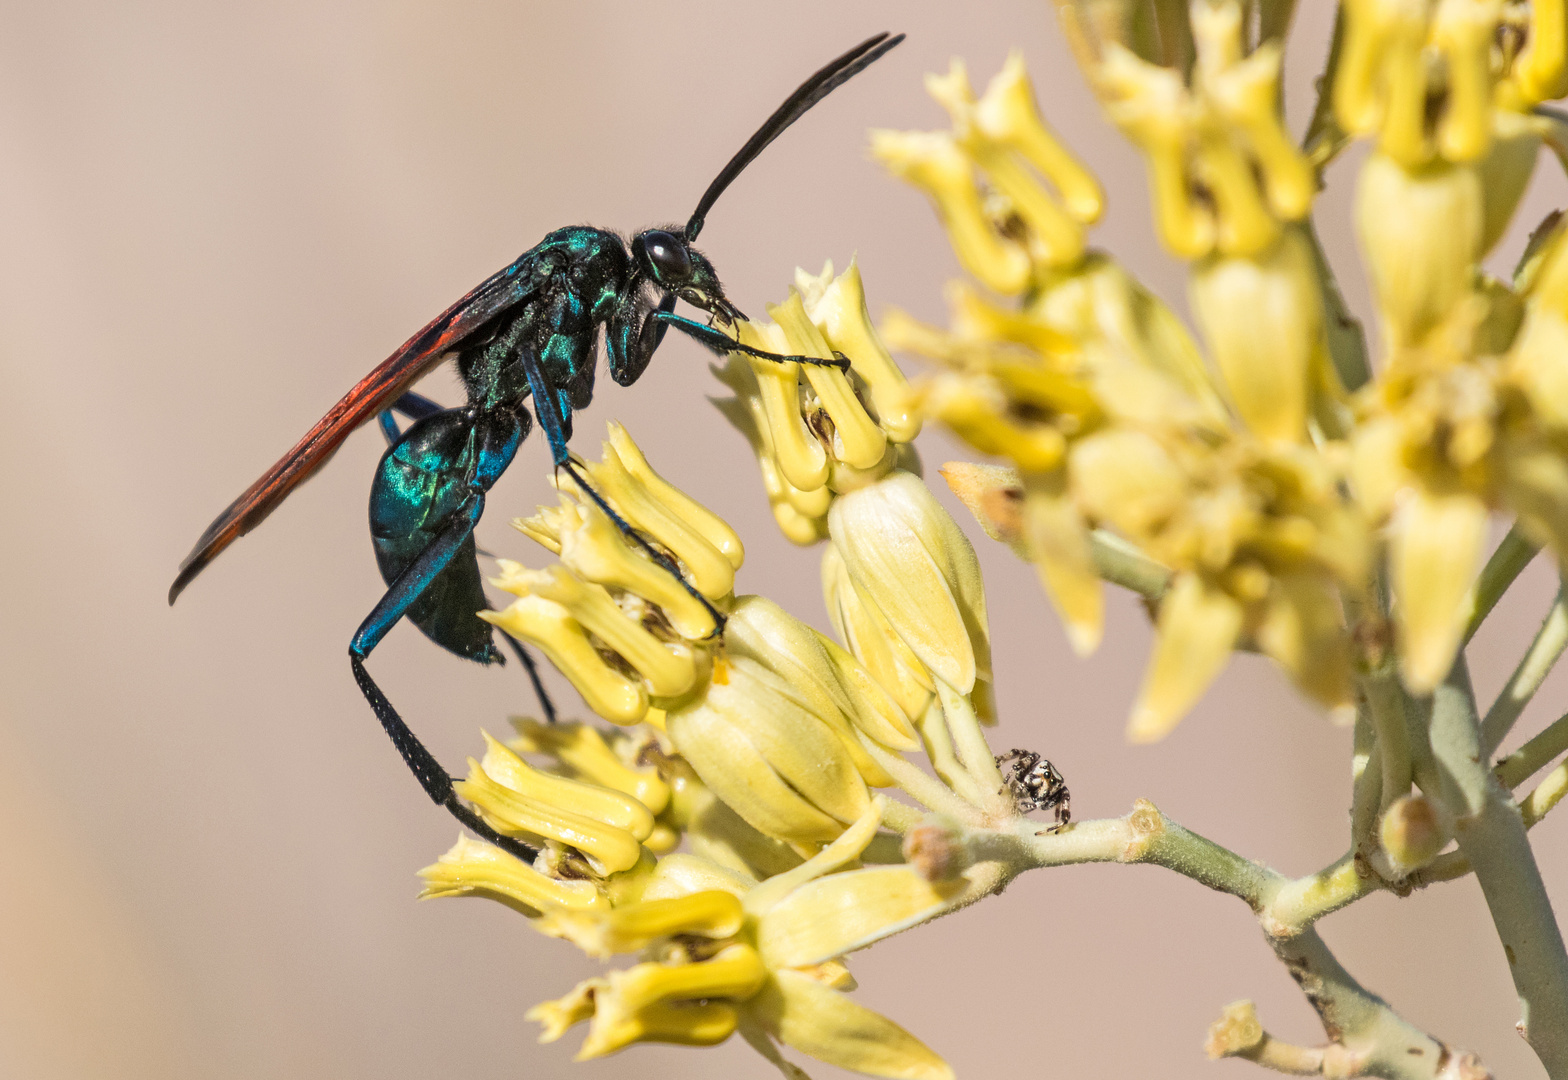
(1035, 784)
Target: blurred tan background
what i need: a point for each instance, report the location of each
(214, 218)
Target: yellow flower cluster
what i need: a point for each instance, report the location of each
(736, 937)
(838, 431)
(1461, 421)
(1246, 469)
(759, 745)
(1103, 403)
(621, 626)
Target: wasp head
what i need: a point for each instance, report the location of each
(674, 266)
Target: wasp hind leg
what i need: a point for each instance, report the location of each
(402, 594)
(416, 407)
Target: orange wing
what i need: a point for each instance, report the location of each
(375, 392)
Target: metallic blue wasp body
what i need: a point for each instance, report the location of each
(527, 335)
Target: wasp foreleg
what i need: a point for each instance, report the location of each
(722, 343)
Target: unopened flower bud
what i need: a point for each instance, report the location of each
(1421, 233)
(1263, 319)
(907, 555)
(936, 850)
(842, 912)
(1438, 542)
(768, 757)
(1198, 627)
(1411, 833)
(866, 633)
(824, 683)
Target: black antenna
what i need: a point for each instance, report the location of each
(810, 92)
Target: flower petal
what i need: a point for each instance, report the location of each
(1198, 627)
(1437, 546)
(843, 912)
(801, 1012)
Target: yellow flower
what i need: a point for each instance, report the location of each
(760, 958)
(583, 750)
(605, 826)
(838, 431)
(906, 555)
(1451, 432)
(1263, 318)
(1430, 80)
(1222, 134)
(775, 763)
(623, 628)
(472, 868)
(1258, 535)
(1421, 233)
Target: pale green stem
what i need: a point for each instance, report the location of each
(1385, 699)
(939, 750)
(1368, 1038)
(1147, 836)
(1533, 756)
(1347, 342)
(973, 750)
(1366, 802)
(1547, 794)
(1120, 563)
(1491, 834)
(1423, 768)
(1537, 663)
(1325, 138)
(914, 782)
(1299, 902)
(1366, 774)
(1532, 808)
(1507, 563)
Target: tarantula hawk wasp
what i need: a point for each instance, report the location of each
(529, 331)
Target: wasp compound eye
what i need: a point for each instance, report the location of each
(668, 256)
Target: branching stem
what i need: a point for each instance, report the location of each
(1536, 664)
(1534, 755)
(1491, 835)
(1506, 564)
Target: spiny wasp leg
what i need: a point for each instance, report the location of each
(721, 343)
(432, 777)
(527, 660)
(636, 537)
